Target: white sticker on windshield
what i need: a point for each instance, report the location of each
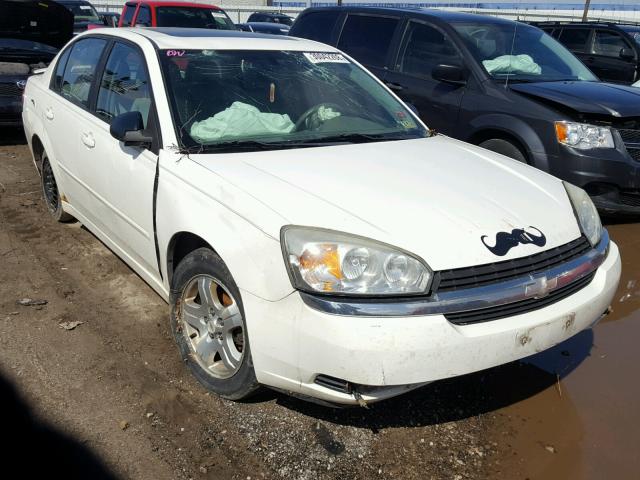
(85, 7)
(323, 57)
(218, 15)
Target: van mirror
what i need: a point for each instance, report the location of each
(453, 74)
(627, 54)
(129, 129)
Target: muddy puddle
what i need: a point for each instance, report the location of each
(581, 419)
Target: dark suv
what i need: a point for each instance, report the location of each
(503, 85)
(611, 51)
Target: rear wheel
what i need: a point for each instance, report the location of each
(504, 147)
(207, 320)
(52, 194)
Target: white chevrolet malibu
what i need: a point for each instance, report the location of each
(308, 231)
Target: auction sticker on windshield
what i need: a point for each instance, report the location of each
(322, 57)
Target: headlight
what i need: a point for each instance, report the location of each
(583, 136)
(326, 261)
(586, 213)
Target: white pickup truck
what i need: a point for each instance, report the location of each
(308, 231)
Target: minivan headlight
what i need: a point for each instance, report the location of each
(583, 136)
(586, 213)
(330, 262)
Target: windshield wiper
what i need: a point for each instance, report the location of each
(355, 138)
(245, 145)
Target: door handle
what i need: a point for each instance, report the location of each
(88, 140)
(394, 86)
(48, 113)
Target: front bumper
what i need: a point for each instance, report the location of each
(610, 176)
(293, 343)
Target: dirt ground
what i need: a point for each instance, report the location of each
(116, 386)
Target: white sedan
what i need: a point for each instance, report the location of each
(308, 231)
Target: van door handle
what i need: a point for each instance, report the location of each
(88, 140)
(394, 86)
(48, 113)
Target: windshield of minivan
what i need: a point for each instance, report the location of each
(193, 17)
(230, 100)
(83, 12)
(521, 52)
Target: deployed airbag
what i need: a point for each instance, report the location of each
(512, 64)
(240, 120)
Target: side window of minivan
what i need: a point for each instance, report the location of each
(80, 69)
(575, 39)
(608, 43)
(316, 26)
(425, 47)
(368, 38)
(129, 10)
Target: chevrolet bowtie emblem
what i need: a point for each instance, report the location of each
(540, 287)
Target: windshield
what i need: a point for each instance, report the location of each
(276, 99)
(83, 12)
(521, 52)
(193, 17)
(26, 46)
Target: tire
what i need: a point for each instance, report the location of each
(51, 193)
(211, 335)
(505, 148)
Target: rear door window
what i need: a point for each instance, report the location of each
(368, 38)
(425, 47)
(316, 26)
(144, 16)
(79, 71)
(129, 10)
(125, 85)
(609, 43)
(575, 39)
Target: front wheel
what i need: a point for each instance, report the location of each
(207, 321)
(505, 148)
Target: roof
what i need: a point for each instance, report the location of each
(176, 3)
(443, 15)
(205, 39)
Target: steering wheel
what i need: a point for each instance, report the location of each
(309, 120)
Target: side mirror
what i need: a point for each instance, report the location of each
(453, 74)
(627, 54)
(129, 129)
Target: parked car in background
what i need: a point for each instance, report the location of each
(30, 35)
(610, 50)
(271, 17)
(308, 231)
(264, 27)
(110, 19)
(151, 13)
(84, 14)
(503, 85)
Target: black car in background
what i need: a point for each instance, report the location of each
(271, 17)
(264, 27)
(610, 50)
(500, 84)
(84, 14)
(31, 32)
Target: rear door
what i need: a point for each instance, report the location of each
(425, 46)
(369, 39)
(608, 60)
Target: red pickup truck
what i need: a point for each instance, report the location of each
(151, 13)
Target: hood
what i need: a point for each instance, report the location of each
(435, 197)
(597, 98)
(41, 21)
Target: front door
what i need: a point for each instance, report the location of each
(423, 48)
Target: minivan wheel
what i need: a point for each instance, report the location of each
(207, 321)
(505, 148)
(51, 193)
